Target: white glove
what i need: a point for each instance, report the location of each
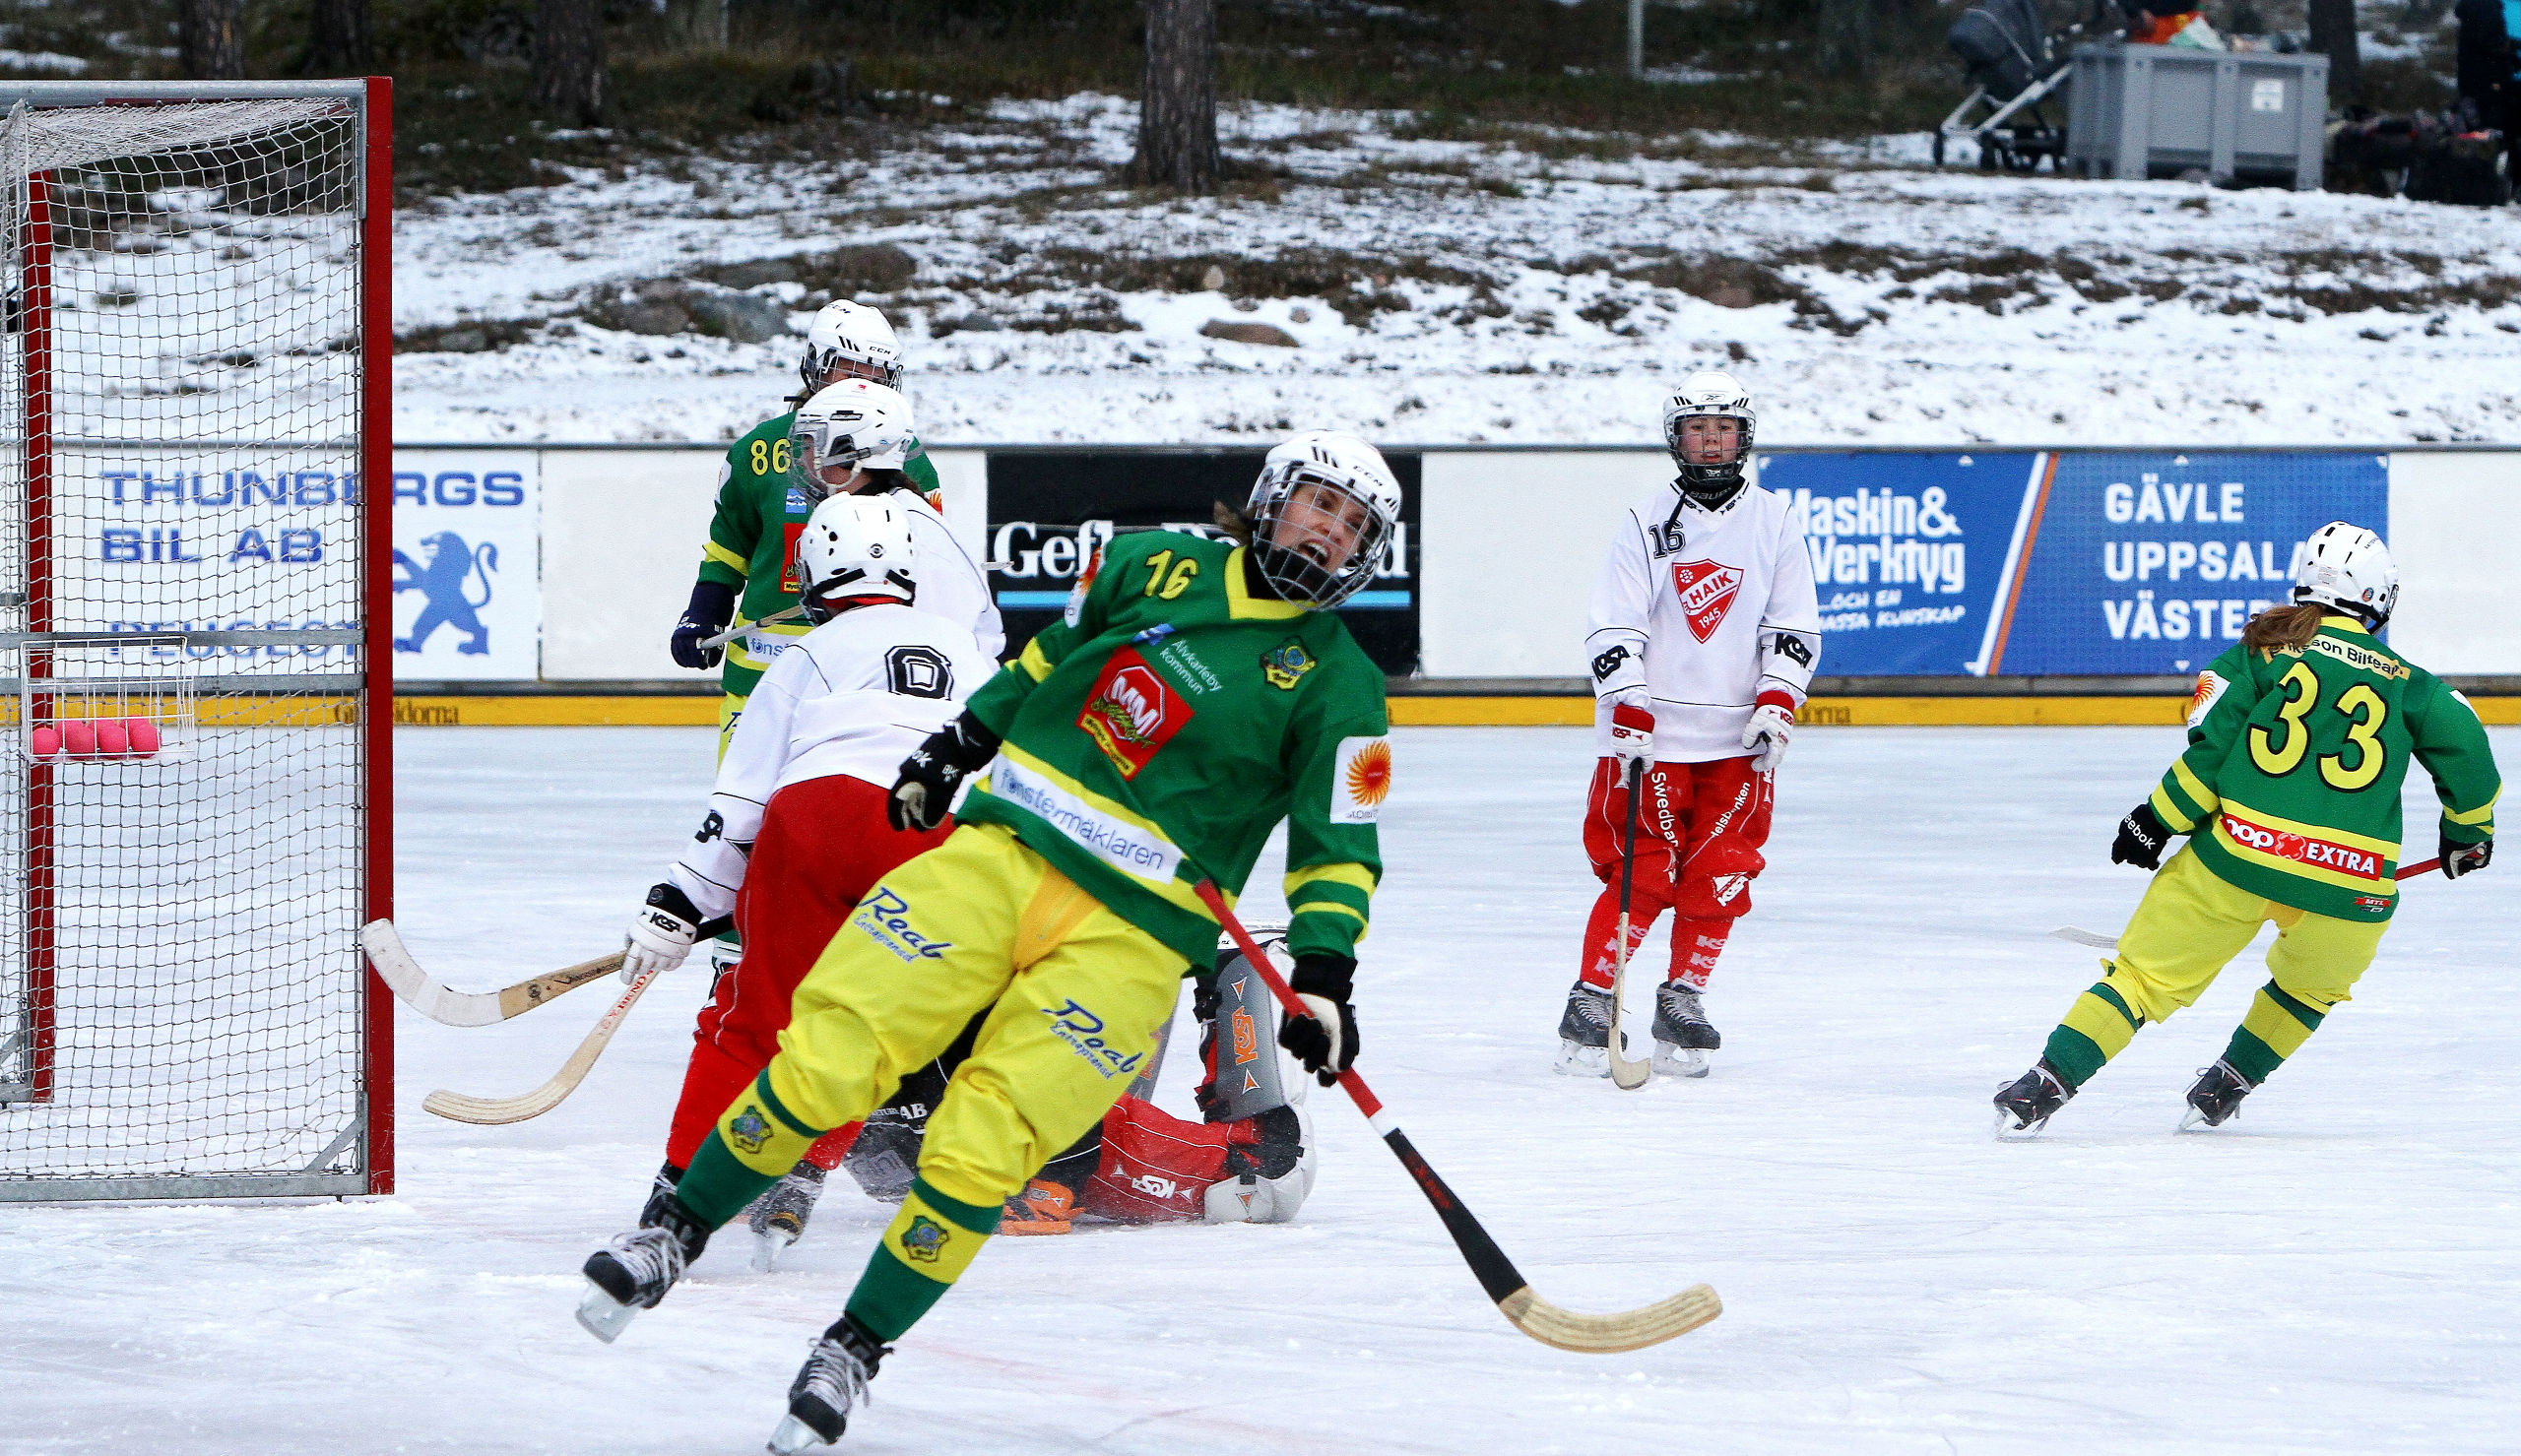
(660, 934)
(1632, 730)
(1772, 724)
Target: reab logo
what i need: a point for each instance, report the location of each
(1707, 592)
(885, 918)
(441, 585)
(1082, 1031)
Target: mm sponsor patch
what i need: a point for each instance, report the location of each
(1360, 780)
(1084, 1032)
(2210, 688)
(1131, 712)
(2301, 848)
(1707, 590)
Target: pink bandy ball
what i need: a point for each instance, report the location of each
(110, 740)
(78, 738)
(143, 736)
(46, 741)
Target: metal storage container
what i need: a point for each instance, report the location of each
(2155, 110)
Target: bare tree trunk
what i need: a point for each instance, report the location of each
(210, 38)
(339, 44)
(1178, 106)
(1845, 45)
(2332, 35)
(568, 60)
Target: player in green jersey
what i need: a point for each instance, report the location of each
(2299, 739)
(1197, 693)
(748, 563)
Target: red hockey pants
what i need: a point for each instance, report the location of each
(823, 844)
(1700, 827)
(1156, 1167)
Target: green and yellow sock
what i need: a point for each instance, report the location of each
(2097, 1028)
(755, 1142)
(930, 1242)
(2275, 1027)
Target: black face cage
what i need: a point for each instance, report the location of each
(1295, 576)
(1710, 483)
(810, 371)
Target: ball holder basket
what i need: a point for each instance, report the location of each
(113, 697)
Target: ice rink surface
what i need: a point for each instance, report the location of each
(2339, 1270)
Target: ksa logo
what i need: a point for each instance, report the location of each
(1707, 592)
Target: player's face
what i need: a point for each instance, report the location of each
(842, 480)
(1322, 524)
(850, 369)
(1711, 439)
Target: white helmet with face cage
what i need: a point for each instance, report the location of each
(1350, 480)
(856, 425)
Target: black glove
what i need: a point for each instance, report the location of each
(1325, 1041)
(713, 605)
(924, 792)
(2141, 836)
(2459, 859)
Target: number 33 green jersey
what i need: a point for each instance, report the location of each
(2291, 781)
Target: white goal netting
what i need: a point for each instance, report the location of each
(187, 782)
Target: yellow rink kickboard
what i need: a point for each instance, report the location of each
(1407, 710)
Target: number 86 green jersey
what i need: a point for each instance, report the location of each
(2290, 782)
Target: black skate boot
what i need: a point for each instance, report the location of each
(633, 1272)
(832, 1385)
(1683, 1035)
(2215, 1097)
(779, 1216)
(2026, 1107)
(1585, 1032)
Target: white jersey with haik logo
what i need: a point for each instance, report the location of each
(1706, 610)
(852, 697)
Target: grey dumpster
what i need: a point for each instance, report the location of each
(2158, 111)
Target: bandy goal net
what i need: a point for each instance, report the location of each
(194, 458)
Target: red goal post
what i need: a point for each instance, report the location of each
(196, 630)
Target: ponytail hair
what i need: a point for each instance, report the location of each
(1233, 523)
(2284, 629)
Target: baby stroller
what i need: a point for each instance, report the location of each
(2014, 65)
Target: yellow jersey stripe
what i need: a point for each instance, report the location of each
(2195, 787)
(1328, 907)
(1033, 663)
(1242, 607)
(724, 557)
(1352, 875)
(2169, 808)
(2482, 814)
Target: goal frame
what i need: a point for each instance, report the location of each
(373, 685)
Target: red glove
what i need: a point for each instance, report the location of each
(1632, 732)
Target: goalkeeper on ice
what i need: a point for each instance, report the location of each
(1197, 693)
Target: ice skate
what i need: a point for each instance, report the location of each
(1266, 1182)
(2216, 1097)
(1585, 1032)
(633, 1272)
(2026, 1107)
(779, 1216)
(832, 1385)
(1683, 1035)
(1046, 1206)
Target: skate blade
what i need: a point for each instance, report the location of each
(603, 1317)
(768, 1246)
(794, 1436)
(1681, 1061)
(2008, 1132)
(2194, 1120)
(1582, 1061)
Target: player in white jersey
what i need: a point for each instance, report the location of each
(796, 831)
(1705, 632)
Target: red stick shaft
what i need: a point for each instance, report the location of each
(1288, 1002)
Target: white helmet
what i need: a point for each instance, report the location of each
(856, 425)
(1294, 552)
(855, 548)
(851, 333)
(1709, 391)
(2347, 566)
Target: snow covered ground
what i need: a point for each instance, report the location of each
(1534, 285)
(2337, 1271)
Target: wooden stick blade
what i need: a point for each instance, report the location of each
(1610, 1334)
(486, 1112)
(1627, 1075)
(416, 989)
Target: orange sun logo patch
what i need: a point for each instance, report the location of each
(1362, 780)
